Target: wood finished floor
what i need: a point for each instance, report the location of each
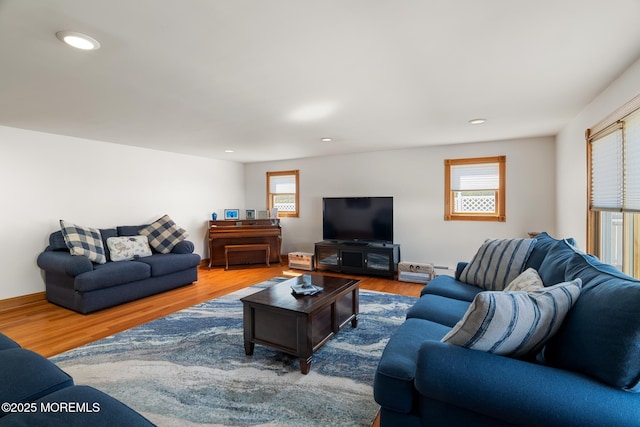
(49, 330)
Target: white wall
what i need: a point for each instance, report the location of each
(45, 178)
(571, 154)
(415, 178)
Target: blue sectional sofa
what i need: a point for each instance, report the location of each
(77, 283)
(587, 373)
(35, 392)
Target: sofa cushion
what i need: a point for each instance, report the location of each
(447, 286)
(393, 381)
(601, 335)
(164, 234)
(514, 323)
(130, 230)
(6, 342)
(162, 264)
(87, 407)
(528, 280)
(544, 243)
(123, 248)
(439, 309)
(552, 268)
(497, 263)
(84, 241)
(111, 274)
(26, 376)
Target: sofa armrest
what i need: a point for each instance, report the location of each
(519, 392)
(63, 262)
(461, 265)
(184, 247)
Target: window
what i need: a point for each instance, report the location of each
(282, 192)
(613, 218)
(475, 189)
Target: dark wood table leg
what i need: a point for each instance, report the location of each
(248, 348)
(305, 365)
(354, 322)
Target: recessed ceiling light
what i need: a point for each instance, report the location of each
(326, 140)
(78, 40)
(228, 151)
(477, 121)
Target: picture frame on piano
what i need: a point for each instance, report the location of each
(231, 214)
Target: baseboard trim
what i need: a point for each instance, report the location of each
(11, 303)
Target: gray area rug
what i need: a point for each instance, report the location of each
(189, 368)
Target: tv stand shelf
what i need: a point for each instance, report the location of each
(377, 259)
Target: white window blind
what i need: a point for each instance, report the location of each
(475, 177)
(615, 168)
(606, 172)
(282, 184)
(632, 163)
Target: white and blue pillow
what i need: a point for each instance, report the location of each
(514, 323)
(84, 241)
(497, 263)
(126, 248)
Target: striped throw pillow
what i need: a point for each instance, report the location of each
(514, 323)
(497, 263)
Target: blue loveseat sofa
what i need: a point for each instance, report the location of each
(35, 392)
(77, 283)
(587, 374)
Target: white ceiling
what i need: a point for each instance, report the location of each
(203, 76)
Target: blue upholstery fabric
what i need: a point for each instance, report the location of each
(517, 392)
(184, 247)
(106, 233)
(56, 241)
(447, 286)
(601, 335)
(543, 244)
(439, 309)
(161, 264)
(112, 274)
(6, 342)
(393, 382)
(129, 230)
(551, 270)
(64, 262)
(26, 376)
(111, 412)
(592, 362)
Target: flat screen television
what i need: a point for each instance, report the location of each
(358, 219)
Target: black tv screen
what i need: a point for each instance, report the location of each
(366, 219)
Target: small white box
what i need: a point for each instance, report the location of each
(301, 260)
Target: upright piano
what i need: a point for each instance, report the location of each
(243, 232)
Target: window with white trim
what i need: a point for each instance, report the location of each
(475, 189)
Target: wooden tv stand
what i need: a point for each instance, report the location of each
(377, 259)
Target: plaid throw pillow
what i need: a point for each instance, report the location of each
(163, 234)
(84, 241)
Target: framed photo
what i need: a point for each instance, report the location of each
(251, 213)
(231, 214)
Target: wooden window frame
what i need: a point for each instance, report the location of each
(500, 193)
(282, 214)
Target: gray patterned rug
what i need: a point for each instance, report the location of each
(189, 368)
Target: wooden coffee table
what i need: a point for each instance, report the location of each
(299, 325)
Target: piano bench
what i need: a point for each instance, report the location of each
(248, 247)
